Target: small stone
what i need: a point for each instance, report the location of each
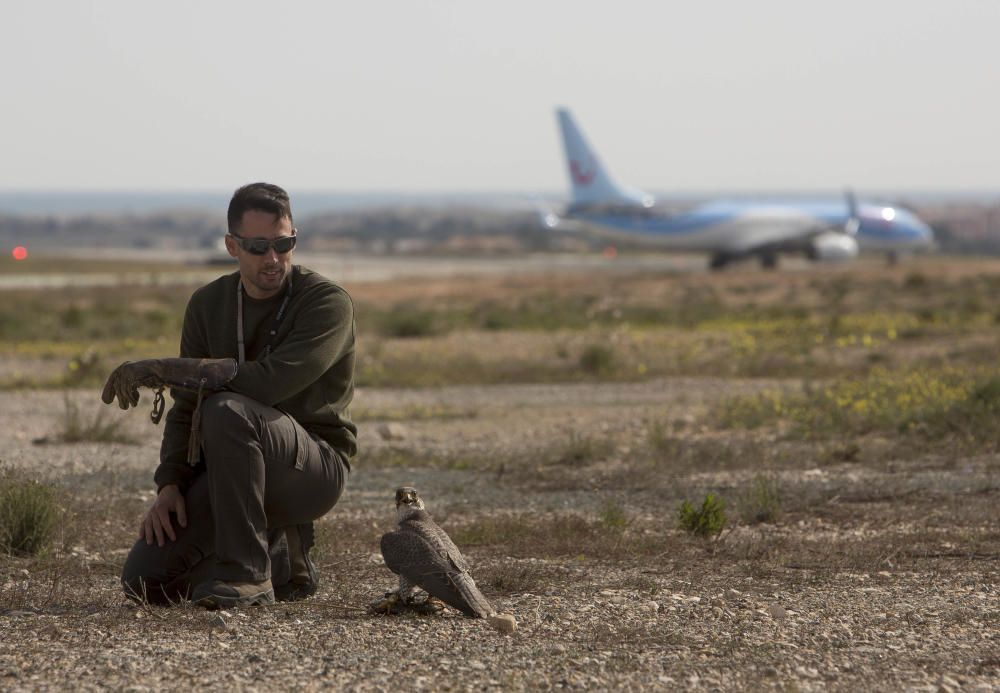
(651, 607)
(770, 671)
(392, 431)
(807, 672)
(948, 683)
(477, 665)
(777, 611)
(504, 623)
(732, 594)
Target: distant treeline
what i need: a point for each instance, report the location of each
(959, 229)
(381, 230)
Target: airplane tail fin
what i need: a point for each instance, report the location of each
(853, 217)
(590, 180)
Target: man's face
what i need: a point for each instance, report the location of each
(263, 275)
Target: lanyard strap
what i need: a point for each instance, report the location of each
(240, 341)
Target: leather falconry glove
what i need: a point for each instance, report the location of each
(197, 375)
(187, 374)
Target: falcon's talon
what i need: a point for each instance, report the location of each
(434, 604)
(389, 604)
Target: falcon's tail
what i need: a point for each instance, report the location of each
(471, 601)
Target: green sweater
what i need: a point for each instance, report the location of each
(309, 373)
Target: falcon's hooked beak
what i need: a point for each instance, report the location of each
(407, 495)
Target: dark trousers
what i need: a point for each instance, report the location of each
(264, 472)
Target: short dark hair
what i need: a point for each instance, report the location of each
(262, 197)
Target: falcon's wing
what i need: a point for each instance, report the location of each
(425, 562)
(432, 533)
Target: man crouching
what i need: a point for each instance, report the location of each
(257, 443)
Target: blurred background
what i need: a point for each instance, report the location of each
(409, 127)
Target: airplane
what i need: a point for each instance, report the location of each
(830, 231)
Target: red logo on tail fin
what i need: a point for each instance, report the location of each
(581, 176)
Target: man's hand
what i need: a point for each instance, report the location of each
(125, 380)
(156, 524)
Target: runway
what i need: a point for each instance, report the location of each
(198, 267)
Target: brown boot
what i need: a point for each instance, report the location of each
(304, 577)
(218, 594)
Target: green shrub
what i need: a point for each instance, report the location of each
(706, 521)
(29, 512)
(409, 321)
(597, 359)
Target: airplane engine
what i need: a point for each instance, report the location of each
(833, 247)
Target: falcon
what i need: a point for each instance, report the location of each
(425, 557)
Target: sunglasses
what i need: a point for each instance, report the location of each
(260, 246)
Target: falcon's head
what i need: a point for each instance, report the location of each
(407, 502)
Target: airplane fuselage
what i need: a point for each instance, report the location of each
(742, 227)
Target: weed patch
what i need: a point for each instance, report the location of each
(511, 577)
(946, 405)
(613, 518)
(761, 501)
(74, 427)
(577, 450)
(707, 521)
(405, 320)
(597, 359)
(29, 514)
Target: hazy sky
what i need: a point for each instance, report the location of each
(429, 96)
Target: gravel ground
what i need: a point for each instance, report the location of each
(831, 597)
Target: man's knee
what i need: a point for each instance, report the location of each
(224, 409)
(153, 576)
(142, 588)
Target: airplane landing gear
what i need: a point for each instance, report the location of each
(718, 262)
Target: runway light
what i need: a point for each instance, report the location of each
(611, 252)
(19, 253)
